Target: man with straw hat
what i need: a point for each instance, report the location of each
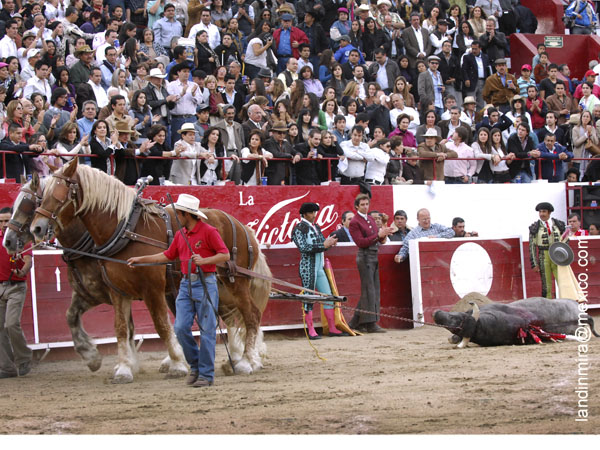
(157, 97)
(80, 72)
(200, 248)
(432, 148)
(127, 168)
(278, 172)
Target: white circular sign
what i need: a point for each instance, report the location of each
(471, 270)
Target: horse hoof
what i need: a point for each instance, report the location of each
(165, 365)
(243, 367)
(95, 364)
(123, 375)
(177, 371)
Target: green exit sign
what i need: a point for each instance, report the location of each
(553, 41)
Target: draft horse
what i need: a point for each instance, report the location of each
(84, 274)
(105, 205)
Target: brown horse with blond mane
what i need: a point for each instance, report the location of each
(105, 206)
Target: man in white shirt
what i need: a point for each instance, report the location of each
(359, 78)
(110, 36)
(100, 38)
(356, 155)
(95, 82)
(375, 173)
(290, 73)
(188, 97)
(401, 108)
(39, 82)
(33, 56)
(459, 171)
(214, 36)
(304, 60)
(39, 23)
(8, 46)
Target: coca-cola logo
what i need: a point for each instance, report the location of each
(277, 224)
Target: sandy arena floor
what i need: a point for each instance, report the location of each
(409, 381)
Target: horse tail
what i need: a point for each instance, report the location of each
(259, 288)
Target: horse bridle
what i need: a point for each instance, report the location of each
(63, 193)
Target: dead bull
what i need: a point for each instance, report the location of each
(500, 324)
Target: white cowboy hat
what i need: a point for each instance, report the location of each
(187, 127)
(189, 203)
(156, 73)
(431, 132)
(363, 7)
(384, 2)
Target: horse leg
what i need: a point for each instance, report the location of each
(123, 372)
(131, 334)
(81, 340)
(251, 360)
(156, 305)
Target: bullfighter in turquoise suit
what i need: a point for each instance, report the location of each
(312, 244)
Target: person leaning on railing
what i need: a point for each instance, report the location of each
(17, 165)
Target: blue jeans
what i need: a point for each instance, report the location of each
(176, 123)
(201, 360)
(525, 177)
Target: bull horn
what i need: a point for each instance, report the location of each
(464, 342)
(476, 311)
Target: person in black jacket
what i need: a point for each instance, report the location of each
(527, 22)
(102, 146)
(475, 69)
(343, 233)
(279, 172)
(227, 52)
(317, 38)
(155, 88)
(450, 69)
(515, 145)
(17, 165)
(307, 169)
(493, 43)
(158, 146)
(329, 148)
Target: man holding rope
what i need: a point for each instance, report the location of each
(199, 247)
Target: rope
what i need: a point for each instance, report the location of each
(308, 338)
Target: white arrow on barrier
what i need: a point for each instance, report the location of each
(57, 272)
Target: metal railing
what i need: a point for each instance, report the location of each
(323, 160)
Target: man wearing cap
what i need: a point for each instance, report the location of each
(340, 27)
(344, 52)
(202, 124)
(312, 245)
(127, 168)
(468, 113)
(431, 85)
(158, 99)
(590, 77)
(525, 80)
(416, 41)
(432, 148)
(27, 72)
(201, 249)
(439, 36)
(80, 72)
(475, 69)
(542, 234)
(501, 87)
(383, 9)
(168, 27)
(278, 172)
(287, 39)
(187, 98)
(368, 237)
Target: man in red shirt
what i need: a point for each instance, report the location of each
(367, 236)
(575, 226)
(15, 356)
(207, 250)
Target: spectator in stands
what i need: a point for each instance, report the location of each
(588, 100)
(572, 82)
(475, 70)
(416, 41)
(278, 171)
(458, 226)
(540, 71)
(561, 104)
(424, 229)
(525, 80)
(493, 42)
(500, 88)
(356, 154)
(523, 147)
(431, 85)
(590, 77)
(168, 27)
(438, 152)
(551, 127)
(343, 233)
(594, 229)
(584, 135)
(460, 171)
(527, 22)
(287, 40)
(536, 107)
(448, 127)
(583, 15)
(402, 229)
(574, 228)
(552, 159)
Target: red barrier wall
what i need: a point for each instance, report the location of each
(577, 52)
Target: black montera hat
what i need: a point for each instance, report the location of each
(544, 205)
(308, 207)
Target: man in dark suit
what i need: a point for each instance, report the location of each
(16, 165)
(255, 121)
(450, 70)
(353, 61)
(343, 234)
(231, 96)
(157, 97)
(475, 69)
(416, 47)
(278, 172)
(493, 43)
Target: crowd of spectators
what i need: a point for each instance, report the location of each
(300, 92)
